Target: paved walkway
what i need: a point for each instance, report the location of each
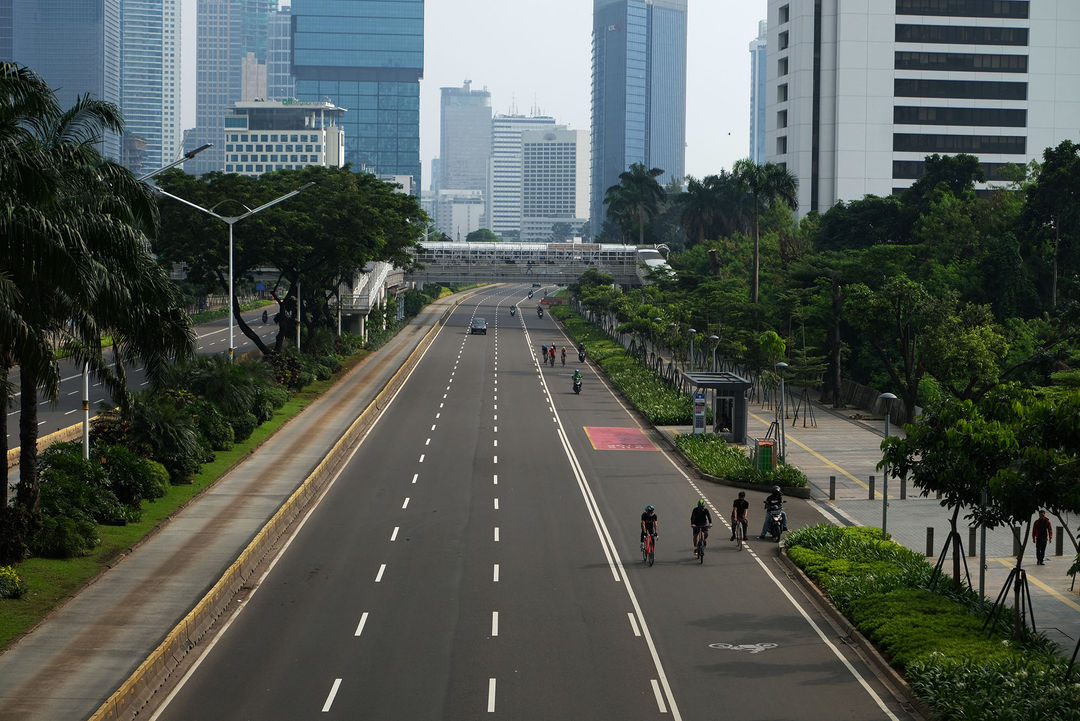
(846, 445)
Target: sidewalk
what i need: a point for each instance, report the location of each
(849, 449)
(70, 663)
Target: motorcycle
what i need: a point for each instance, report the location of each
(577, 385)
(512, 311)
(530, 294)
(539, 312)
(774, 512)
(581, 356)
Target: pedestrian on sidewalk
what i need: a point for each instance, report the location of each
(1042, 532)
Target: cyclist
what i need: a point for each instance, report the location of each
(543, 353)
(740, 513)
(649, 524)
(564, 355)
(775, 497)
(700, 519)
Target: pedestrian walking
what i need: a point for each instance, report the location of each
(1042, 532)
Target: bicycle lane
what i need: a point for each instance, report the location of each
(735, 631)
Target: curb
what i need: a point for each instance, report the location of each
(133, 694)
(896, 683)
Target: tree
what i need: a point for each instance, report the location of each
(636, 199)
(1052, 205)
(767, 184)
(482, 235)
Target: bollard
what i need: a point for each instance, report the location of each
(939, 495)
(903, 488)
(871, 488)
(971, 541)
(1016, 540)
(832, 488)
(929, 541)
(1059, 542)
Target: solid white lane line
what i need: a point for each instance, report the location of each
(495, 574)
(405, 504)
(421, 457)
(333, 692)
(633, 624)
(659, 696)
(491, 695)
(415, 476)
(393, 536)
(496, 534)
(496, 504)
(494, 623)
(378, 576)
(363, 621)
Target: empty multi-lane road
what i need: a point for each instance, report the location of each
(478, 556)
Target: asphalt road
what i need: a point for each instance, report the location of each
(211, 338)
(479, 556)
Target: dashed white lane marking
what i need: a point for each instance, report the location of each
(496, 407)
(393, 536)
(444, 398)
(421, 457)
(496, 459)
(432, 426)
(437, 415)
(496, 504)
(427, 442)
(415, 476)
(495, 574)
(496, 416)
(330, 699)
(491, 695)
(496, 442)
(441, 405)
(363, 622)
(405, 504)
(496, 534)
(494, 623)
(633, 624)
(73, 410)
(659, 696)
(496, 429)
(495, 479)
(378, 576)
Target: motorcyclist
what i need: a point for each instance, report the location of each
(577, 376)
(513, 309)
(649, 524)
(778, 498)
(581, 352)
(700, 520)
(265, 317)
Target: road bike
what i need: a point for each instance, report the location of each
(700, 550)
(738, 529)
(648, 549)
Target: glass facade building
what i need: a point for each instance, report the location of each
(758, 76)
(366, 56)
(280, 84)
(638, 92)
(73, 44)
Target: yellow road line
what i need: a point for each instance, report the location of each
(1011, 563)
(815, 454)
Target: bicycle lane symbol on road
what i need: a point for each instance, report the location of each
(751, 647)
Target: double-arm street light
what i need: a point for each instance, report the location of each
(232, 220)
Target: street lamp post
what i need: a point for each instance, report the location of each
(781, 367)
(693, 334)
(232, 220)
(888, 398)
(714, 340)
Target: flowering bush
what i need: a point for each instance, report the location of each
(11, 586)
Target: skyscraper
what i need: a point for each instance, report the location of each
(231, 37)
(280, 83)
(150, 81)
(465, 138)
(507, 178)
(367, 57)
(758, 76)
(555, 182)
(42, 34)
(638, 91)
(859, 96)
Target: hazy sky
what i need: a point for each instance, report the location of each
(538, 52)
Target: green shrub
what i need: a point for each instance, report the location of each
(212, 424)
(128, 474)
(61, 537)
(275, 395)
(72, 487)
(243, 425)
(157, 478)
(715, 456)
(305, 379)
(322, 372)
(11, 586)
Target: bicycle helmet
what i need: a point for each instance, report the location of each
(701, 501)
(649, 509)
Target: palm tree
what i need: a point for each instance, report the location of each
(637, 198)
(766, 184)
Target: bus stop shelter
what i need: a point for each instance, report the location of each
(730, 406)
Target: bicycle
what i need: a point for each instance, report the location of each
(738, 529)
(700, 550)
(648, 549)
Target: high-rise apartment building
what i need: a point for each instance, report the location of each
(280, 83)
(231, 38)
(74, 45)
(465, 138)
(638, 91)
(555, 187)
(859, 96)
(507, 172)
(758, 76)
(367, 57)
(150, 82)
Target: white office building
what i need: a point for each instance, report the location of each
(458, 212)
(507, 178)
(897, 80)
(555, 187)
(266, 135)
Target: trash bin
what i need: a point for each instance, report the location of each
(765, 456)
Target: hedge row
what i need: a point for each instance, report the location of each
(935, 637)
(713, 455)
